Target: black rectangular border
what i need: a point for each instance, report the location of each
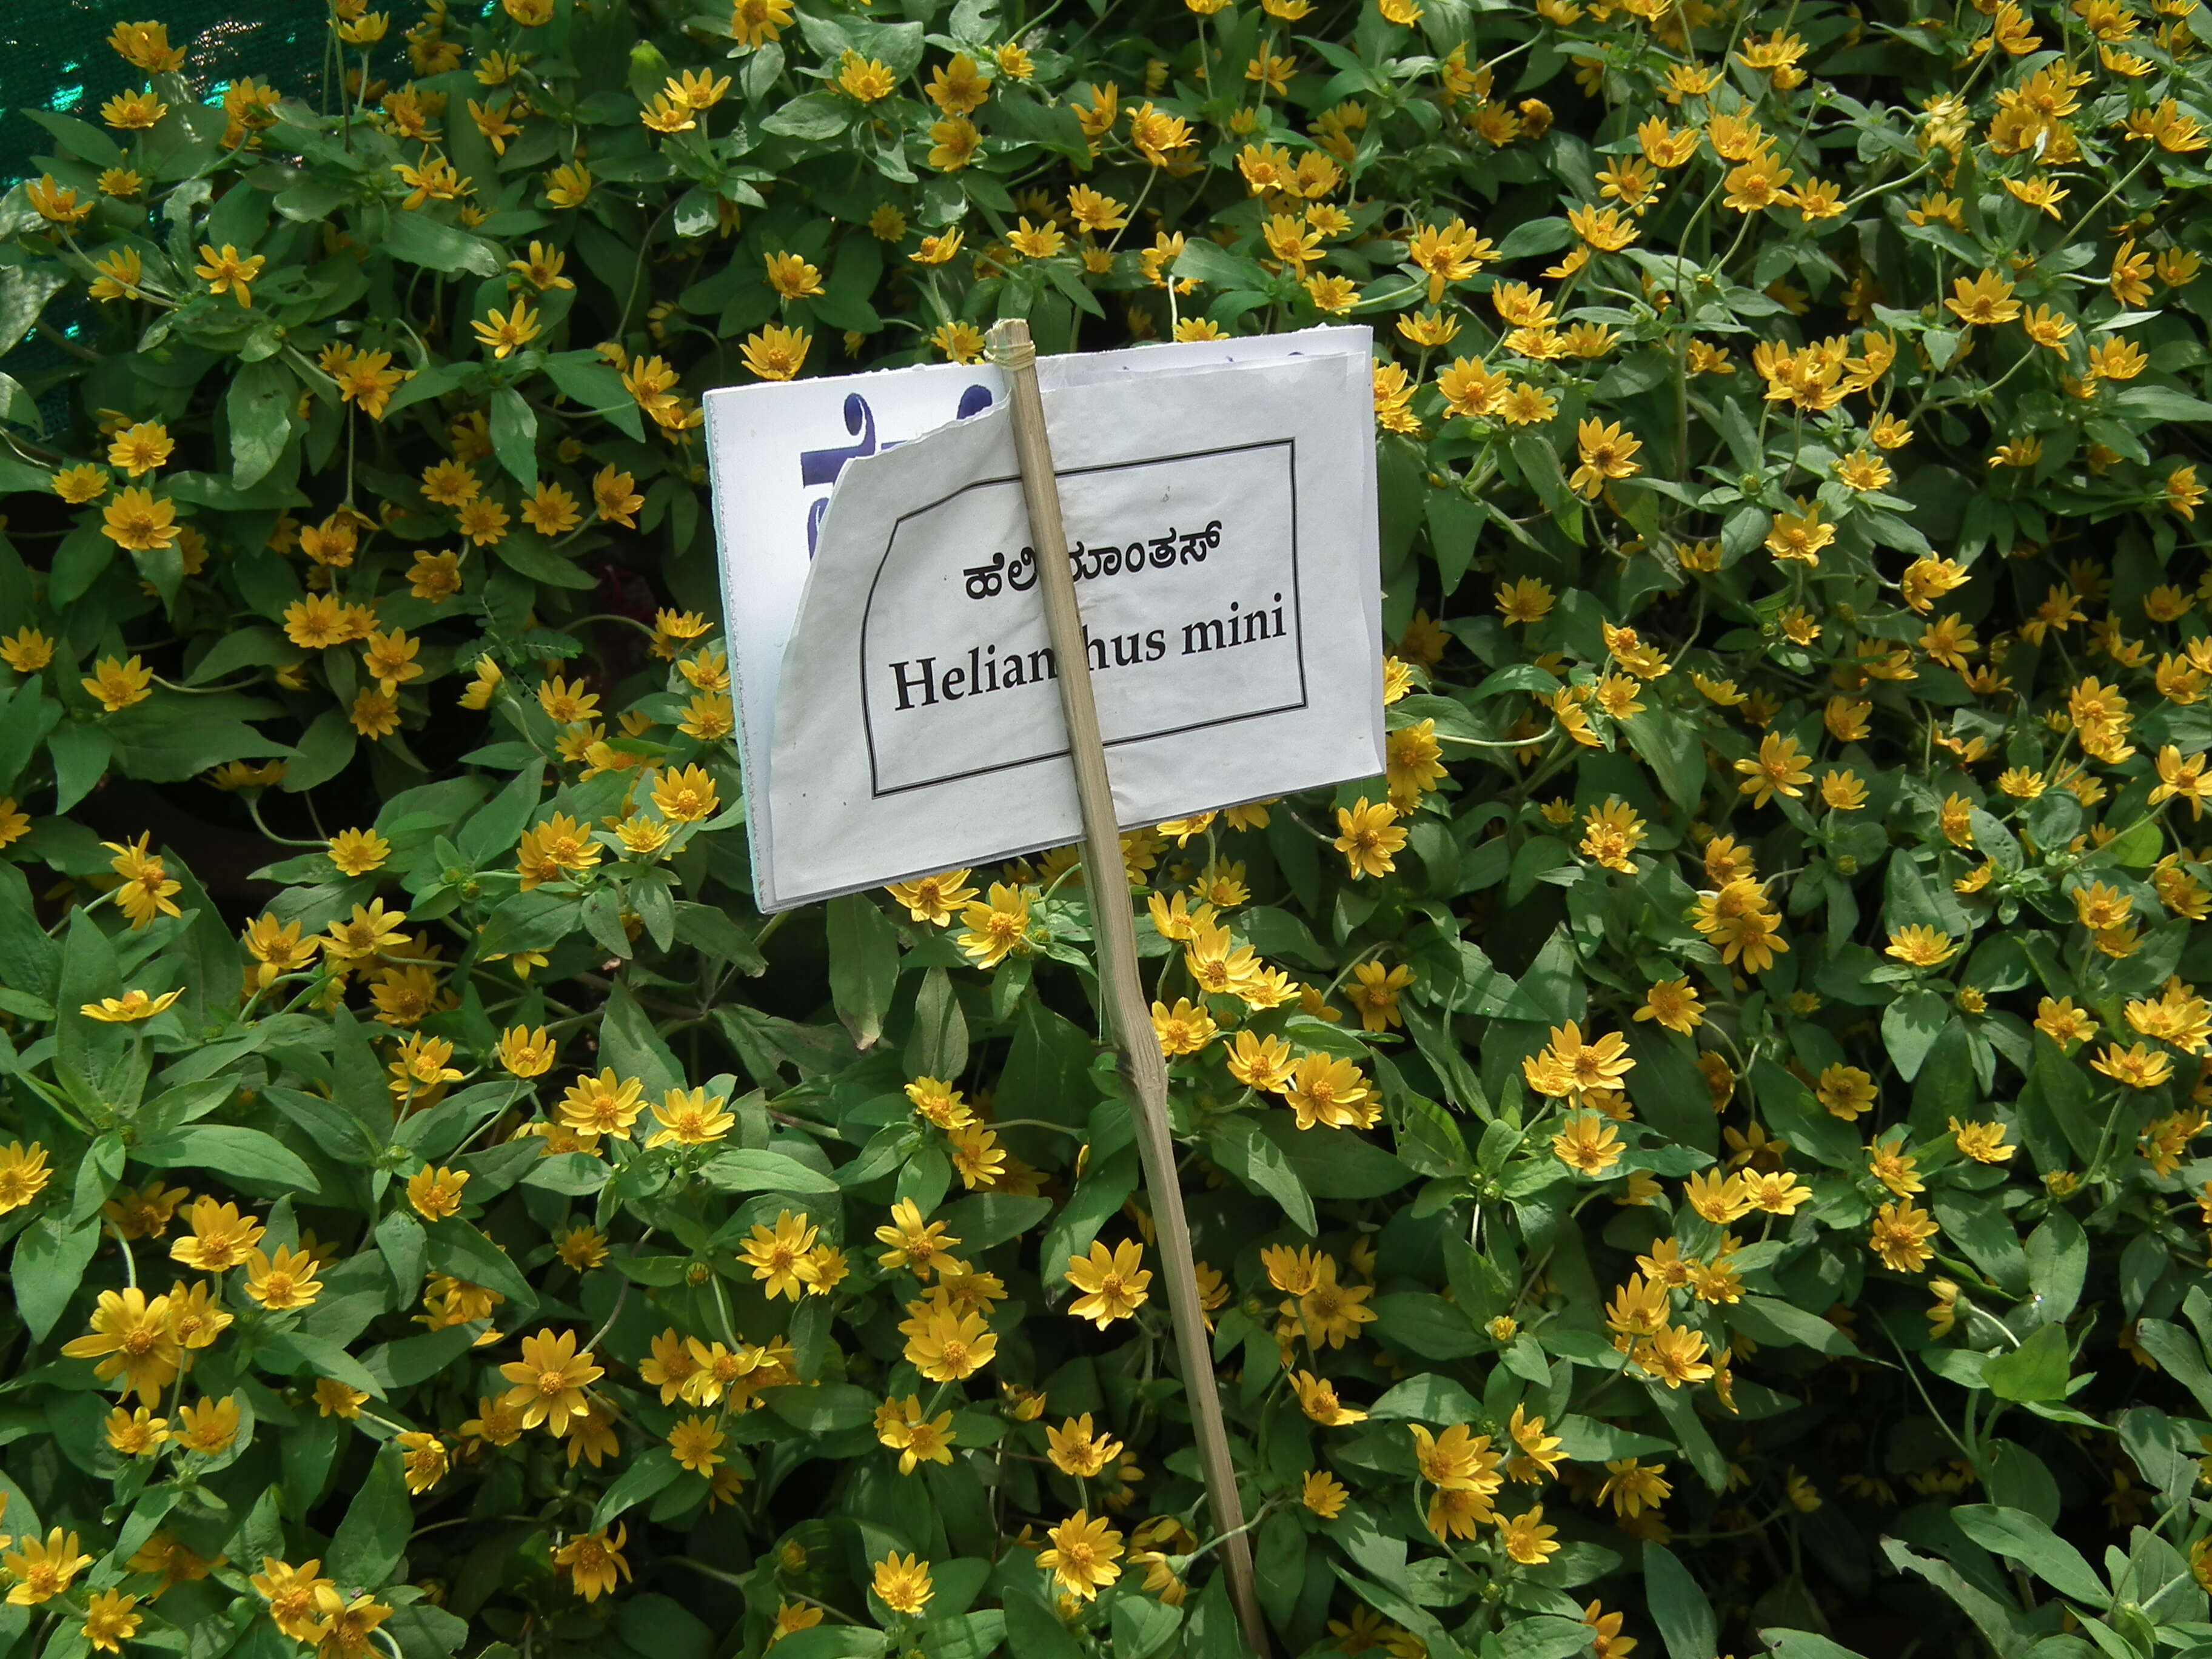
(876, 789)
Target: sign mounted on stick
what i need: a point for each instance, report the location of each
(1221, 513)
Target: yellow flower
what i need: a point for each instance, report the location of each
(548, 1383)
(135, 1433)
(946, 1346)
(1607, 453)
(110, 1620)
(209, 1426)
(594, 1561)
(337, 1399)
(568, 187)
(1083, 1555)
(293, 1595)
(696, 1444)
(1323, 1493)
(866, 79)
(1112, 1282)
(133, 1005)
(1900, 1235)
(1919, 946)
(504, 333)
(1586, 1143)
(779, 1256)
(221, 1239)
(436, 1193)
(686, 796)
(1369, 837)
(1528, 1540)
(1075, 1449)
(1985, 299)
(1328, 1091)
(688, 1117)
(902, 1582)
(1185, 1029)
(1985, 1143)
(227, 272)
(131, 1339)
(42, 1572)
(997, 927)
(285, 1280)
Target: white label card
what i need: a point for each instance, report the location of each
(775, 449)
(1222, 536)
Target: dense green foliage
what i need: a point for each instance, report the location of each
(1703, 1154)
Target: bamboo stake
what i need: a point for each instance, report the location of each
(1122, 991)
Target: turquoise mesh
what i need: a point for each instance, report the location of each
(54, 55)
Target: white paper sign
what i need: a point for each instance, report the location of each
(1223, 538)
(775, 449)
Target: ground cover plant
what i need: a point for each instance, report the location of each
(1702, 1155)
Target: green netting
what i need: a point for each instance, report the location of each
(54, 55)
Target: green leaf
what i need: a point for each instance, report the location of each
(19, 406)
(51, 1257)
(2158, 404)
(526, 554)
(297, 1350)
(990, 1219)
(422, 1630)
(1334, 1162)
(2034, 1371)
(595, 384)
(1587, 1440)
(747, 1170)
(938, 1046)
(248, 1157)
(1141, 1626)
(1803, 1644)
(421, 240)
(1208, 262)
(2034, 1546)
(79, 754)
(1428, 1326)
(1427, 1398)
(1241, 1149)
(1678, 1606)
(100, 1058)
(170, 739)
(864, 966)
(1032, 1628)
(324, 751)
(373, 1537)
(494, 828)
(415, 1360)
(1999, 1621)
(815, 116)
(454, 1246)
(654, 1470)
(514, 437)
(258, 407)
(1909, 1029)
(1670, 745)
(535, 920)
(629, 1042)
(2180, 1354)
(24, 291)
(1770, 1319)
(2057, 1266)
(823, 1409)
(1543, 1636)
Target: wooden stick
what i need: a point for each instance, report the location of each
(1122, 991)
